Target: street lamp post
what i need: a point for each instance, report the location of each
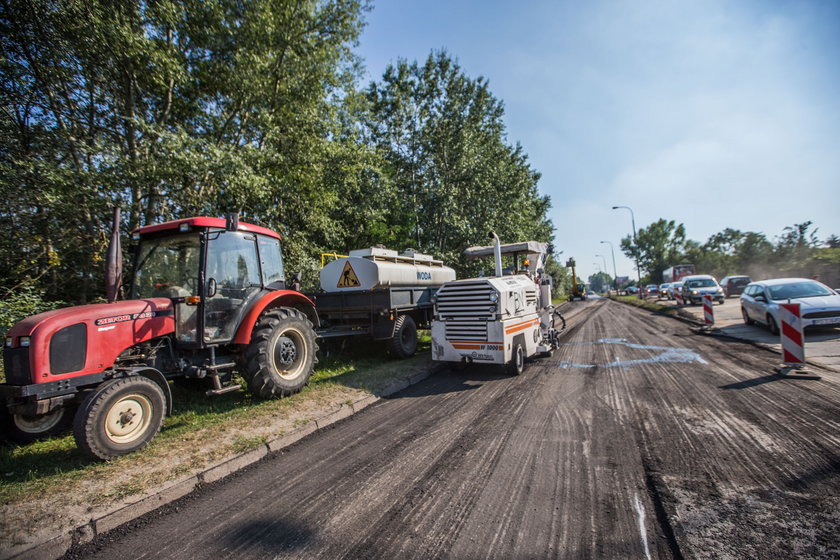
(615, 274)
(605, 261)
(633, 221)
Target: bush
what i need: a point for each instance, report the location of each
(20, 304)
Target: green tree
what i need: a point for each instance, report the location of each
(454, 177)
(170, 108)
(795, 246)
(657, 247)
(600, 281)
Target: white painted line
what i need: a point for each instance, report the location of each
(667, 354)
(640, 512)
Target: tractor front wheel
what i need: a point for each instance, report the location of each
(120, 417)
(281, 356)
(23, 428)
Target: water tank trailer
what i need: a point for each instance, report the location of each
(380, 293)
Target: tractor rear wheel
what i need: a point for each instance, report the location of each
(119, 417)
(281, 356)
(404, 343)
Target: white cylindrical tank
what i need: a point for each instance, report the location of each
(372, 269)
(545, 293)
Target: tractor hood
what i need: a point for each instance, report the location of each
(97, 314)
(88, 338)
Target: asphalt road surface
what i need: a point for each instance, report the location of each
(637, 439)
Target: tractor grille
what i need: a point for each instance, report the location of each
(466, 308)
(16, 364)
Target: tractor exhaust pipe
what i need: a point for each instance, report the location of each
(113, 261)
(497, 252)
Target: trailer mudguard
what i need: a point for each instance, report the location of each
(279, 298)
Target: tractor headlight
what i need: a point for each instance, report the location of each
(494, 297)
(492, 309)
(24, 341)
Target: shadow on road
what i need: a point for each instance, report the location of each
(753, 382)
(816, 476)
(269, 536)
(449, 381)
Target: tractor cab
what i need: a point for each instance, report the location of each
(212, 270)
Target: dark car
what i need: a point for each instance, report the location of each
(734, 285)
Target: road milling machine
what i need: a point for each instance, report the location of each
(504, 319)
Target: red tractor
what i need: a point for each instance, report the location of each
(207, 297)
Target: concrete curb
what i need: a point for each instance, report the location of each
(57, 546)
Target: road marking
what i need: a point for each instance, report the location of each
(667, 354)
(640, 513)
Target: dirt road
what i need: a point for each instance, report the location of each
(637, 439)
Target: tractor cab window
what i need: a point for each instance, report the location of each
(271, 259)
(167, 267)
(233, 281)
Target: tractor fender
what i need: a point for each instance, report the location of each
(279, 298)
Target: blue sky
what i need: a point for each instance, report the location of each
(711, 113)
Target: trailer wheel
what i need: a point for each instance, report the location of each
(120, 417)
(404, 342)
(22, 428)
(517, 361)
(281, 356)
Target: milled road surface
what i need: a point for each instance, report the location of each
(637, 439)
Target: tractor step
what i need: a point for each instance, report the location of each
(223, 390)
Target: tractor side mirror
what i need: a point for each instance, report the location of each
(211, 287)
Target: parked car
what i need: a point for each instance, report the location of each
(696, 286)
(734, 285)
(632, 290)
(820, 305)
(674, 288)
(651, 290)
(663, 291)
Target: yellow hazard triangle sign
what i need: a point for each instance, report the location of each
(348, 278)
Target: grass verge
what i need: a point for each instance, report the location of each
(669, 310)
(50, 483)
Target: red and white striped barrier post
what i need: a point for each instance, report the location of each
(678, 297)
(793, 343)
(708, 310)
(793, 340)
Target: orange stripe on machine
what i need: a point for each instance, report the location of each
(472, 345)
(522, 326)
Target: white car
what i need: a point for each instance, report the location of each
(698, 285)
(820, 305)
